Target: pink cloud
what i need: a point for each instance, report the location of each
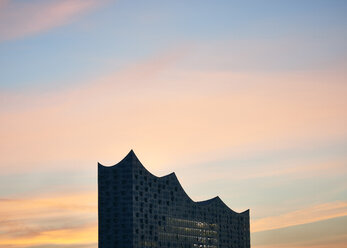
(338, 244)
(68, 218)
(181, 115)
(21, 19)
(327, 233)
(3, 3)
(302, 216)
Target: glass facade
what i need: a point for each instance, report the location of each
(140, 210)
(181, 231)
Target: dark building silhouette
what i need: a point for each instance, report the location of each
(140, 210)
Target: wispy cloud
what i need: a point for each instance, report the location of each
(289, 167)
(3, 3)
(173, 111)
(329, 233)
(302, 216)
(91, 245)
(61, 218)
(23, 18)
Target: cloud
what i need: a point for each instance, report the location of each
(185, 116)
(291, 166)
(286, 52)
(60, 218)
(322, 234)
(3, 3)
(91, 245)
(302, 216)
(20, 19)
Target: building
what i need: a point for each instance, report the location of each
(140, 210)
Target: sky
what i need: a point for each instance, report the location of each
(241, 99)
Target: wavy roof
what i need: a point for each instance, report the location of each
(131, 158)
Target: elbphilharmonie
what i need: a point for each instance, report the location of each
(140, 210)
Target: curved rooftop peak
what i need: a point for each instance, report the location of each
(131, 157)
(214, 199)
(131, 154)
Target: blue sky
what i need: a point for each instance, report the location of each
(117, 33)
